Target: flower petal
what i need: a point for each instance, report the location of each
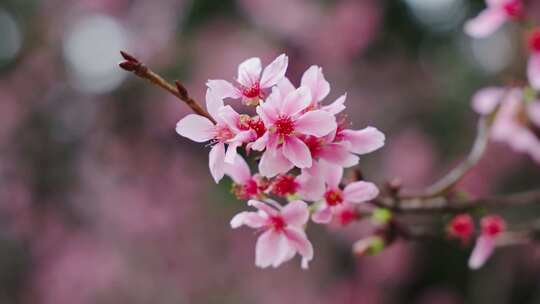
(295, 213)
(533, 109)
(264, 207)
(230, 155)
(533, 71)
(298, 239)
(297, 152)
(275, 71)
(213, 104)
(313, 78)
(317, 123)
(359, 192)
(230, 117)
(482, 251)
(249, 72)
(338, 154)
(216, 161)
(250, 219)
(296, 101)
(196, 128)
(486, 23)
(285, 86)
(238, 171)
(337, 106)
(323, 215)
(223, 89)
(486, 100)
(310, 188)
(270, 249)
(364, 141)
(273, 163)
(331, 174)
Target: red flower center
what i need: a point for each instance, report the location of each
(314, 144)
(284, 185)
(277, 223)
(284, 126)
(534, 41)
(514, 9)
(257, 125)
(333, 197)
(253, 91)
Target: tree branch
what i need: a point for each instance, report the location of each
(447, 183)
(132, 64)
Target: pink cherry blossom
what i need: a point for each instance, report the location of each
(313, 79)
(225, 131)
(246, 186)
(282, 229)
(353, 193)
(287, 122)
(516, 123)
(251, 82)
(492, 226)
(493, 17)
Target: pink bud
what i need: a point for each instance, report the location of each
(492, 225)
(461, 227)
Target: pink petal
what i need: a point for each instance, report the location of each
(296, 101)
(331, 174)
(285, 86)
(238, 171)
(359, 192)
(323, 215)
(274, 163)
(223, 89)
(268, 112)
(264, 207)
(295, 213)
(337, 106)
(486, 23)
(229, 116)
(250, 219)
(196, 128)
(297, 152)
(313, 78)
(249, 72)
(271, 248)
(275, 71)
(298, 239)
(216, 162)
(231, 154)
(213, 104)
(317, 123)
(260, 143)
(533, 71)
(486, 100)
(364, 141)
(338, 154)
(310, 188)
(482, 251)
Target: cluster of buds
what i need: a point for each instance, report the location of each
(491, 226)
(301, 148)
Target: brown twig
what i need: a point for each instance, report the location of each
(447, 183)
(132, 64)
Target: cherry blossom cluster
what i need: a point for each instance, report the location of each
(462, 227)
(515, 111)
(301, 146)
(514, 116)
